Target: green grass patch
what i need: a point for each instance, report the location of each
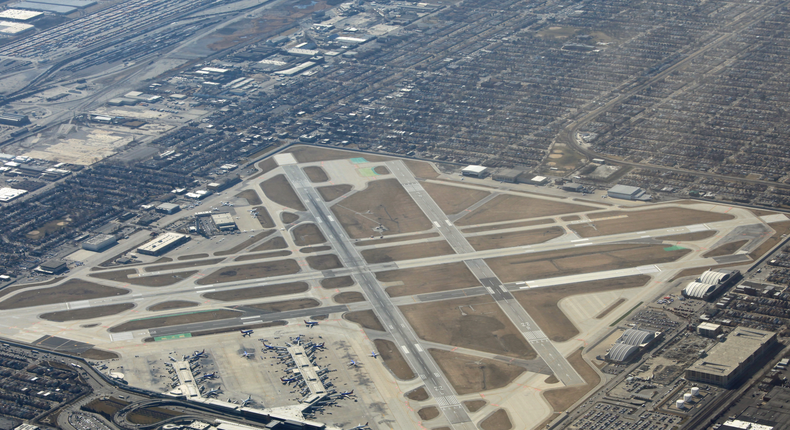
(673, 248)
(358, 160)
(366, 172)
(173, 336)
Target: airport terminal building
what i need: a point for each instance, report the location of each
(163, 243)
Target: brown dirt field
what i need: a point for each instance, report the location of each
(287, 305)
(474, 405)
(419, 394)
(561, 399)
(385, 202)
(151, 415)
(267, 165)
(451, 199)
(349, 297)
(421, 169)
(288, 217)
(176, 266)
(165, 321)
(258, 292)
(428, 413)
(8, 290)
(393, 359)
(497, 421)
(689, 237)
(87, 313)
(172, 304)
(310, 249)
(263, 217)
(146, 281)
(246, 243)
(781, 228)
(407, 252)
(508, 225)
(381, 170)
(251, 271)
(761, 212)
(237, 328)
(518, 238)
(324, 262)
(571, 218)
(106, 408)
(610, 308)
(551, 379)
(69, 291)
(645, 220)
(251, 196)
(116, 275)
(309, 154)
(274, 243)
(469, 374)
(98, 354)
(331, 192)
(307, 234)
(726, 249)
(316, 174)
(479, 324)
(340, 282)
(378, 241)
(580, 260)
(278, 190)
(263, 255)
(428, 279)
(367, 319)
(541, 303)
(508, 207)
(192, 257)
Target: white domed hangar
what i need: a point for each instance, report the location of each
(711, 283)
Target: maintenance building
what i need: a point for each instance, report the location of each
(168, 208)
(630, 344)
(728, 361)
(508, 175)
(99, 242)
(474, 171)
(626, 192)
(224, 221)
(711, 283)
(52, 267)
(163, 243)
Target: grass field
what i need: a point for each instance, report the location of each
(323, 262)
(69, 291)
(349, 297)
(418, 394)
(331, 192)
(469, 374)
(428, 413)
(251, 196)
(367, 319)
(246, 243)
(144, 281)
(393, 359)
(278, 190)
(340, 282)
(87, 313)
(451, 199)
(726, 249)
(287, 305)
(381, 241)
(561, 399)
(473, 322)
(407, 252)
(316, 174)
(508, 225)
(542, 303)
(508, 207)
(428, 279)
(689, 237)
(251, 271)
(177, 319)
(176, 266)
(497, 421)
(307, 234)
(172, 304)
(271, 244)
(516, 238)
(630, 221)
(383, 202)
(580, 260)
(258, 292)
(263, 255)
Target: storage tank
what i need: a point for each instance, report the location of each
(687, 397)
(695, 391)
(680, 404)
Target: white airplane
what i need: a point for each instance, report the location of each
(311, 324)
(247, 354)
(360, 427)
(245, 401)
(353, 363)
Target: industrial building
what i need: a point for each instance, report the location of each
(224, 221)
(711, 283)
(475, 171)
(14, 28)
(7, 194)
(707, 329)
(539, 180)
(574, 188)
(168, 208)
(630, 344)
(19, 15)
(626, 192)
(163, 243)
(726, 362)
(52, 267)
(511, 176)
(14, 119)
(99, 242)
(43, 7)
(224, 183)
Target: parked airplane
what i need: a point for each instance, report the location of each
(199, 354)
(318, 345)
(360, 427)
(171, 358)
(213, 392)
(272, 346)
(211, 375)
(311, 324)
(247, 354)
(353, 363)
(285, 380)
(374, 354)
(245, 333)
(344, 394)
(245, 401)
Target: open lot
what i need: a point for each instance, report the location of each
(381, 170)
(542, 303)
(316, 174)
(383, 202)
(144, 281)
(263, 255)
(349, 297)
(474, 405)
(393, 359)
(367, 319)
(87, 313)
(630, 221)
(258, 292)
(251, 271)
(331, 192)
(581, 260)
(428, 279)
(726, 249)
(251, 196)
(340, 282)
(273, 243)
(507, 207)
(307, 234)
(278, 190)
(473, 322)
(452, 199)
(418, 394)
(289, 217)
(421, 169)
(246, 243)
(561, 399)
(69, 291)
(428, 413)
(176, 319)
(324, 262)
(176, 266)
(469, 374)
(516, 238)
(407, 252)
(497, 421)
(287, 305)
(508, 225)
(172, 304)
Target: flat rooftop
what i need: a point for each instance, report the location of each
(726, 356)
(19, 14)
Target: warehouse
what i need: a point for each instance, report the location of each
(511, 176)
(43, 7)
(163, 243)
(14, 28)
(726, 362)
(19, 15)
(168, 208)
(626, 192)
(7, 194)
(14, 119)
(474, 171)
(574, 188)
(52, 267)
(224, 221)
(99, 242)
